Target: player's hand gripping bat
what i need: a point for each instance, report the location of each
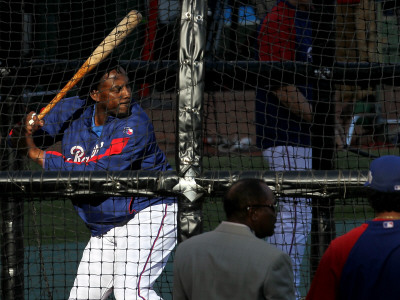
(119, 33)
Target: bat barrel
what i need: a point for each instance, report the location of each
(113, 39)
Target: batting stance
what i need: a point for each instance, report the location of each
(132, 237)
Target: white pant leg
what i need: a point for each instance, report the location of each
(143, 248)
(128, 259)
(94, 279)
(293, 224)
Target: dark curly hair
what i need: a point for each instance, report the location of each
(384, 202)
(91, 81)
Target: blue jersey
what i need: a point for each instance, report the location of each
(372, 269)
(285, 34)
(362, 264)
(124, 144)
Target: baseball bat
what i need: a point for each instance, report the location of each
(115, 37)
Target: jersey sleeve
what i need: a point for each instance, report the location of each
(61, 113)
(326, 279)
(57, 120)
(325, 284)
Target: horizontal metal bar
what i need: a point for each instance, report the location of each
(339, 72)
(332, 183)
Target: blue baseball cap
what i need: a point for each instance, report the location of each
(384, 174)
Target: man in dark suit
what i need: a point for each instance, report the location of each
(233, 262)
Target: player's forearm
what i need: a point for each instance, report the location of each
(295, 101)
(34, 153)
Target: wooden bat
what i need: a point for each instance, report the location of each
(119, 33)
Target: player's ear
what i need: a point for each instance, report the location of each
(94, 95)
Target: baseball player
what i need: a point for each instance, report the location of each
(364, 263)
(284, 117)
(132, 237)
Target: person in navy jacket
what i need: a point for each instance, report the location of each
(284, 116)
(365, 262)
(132, 237)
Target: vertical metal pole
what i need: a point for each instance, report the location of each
(189, 148)
(323, 133)
(12, 220)
(12, 49)
(12, 249)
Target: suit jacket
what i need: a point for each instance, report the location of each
(231, 263)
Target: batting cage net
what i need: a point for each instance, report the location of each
(301, 95)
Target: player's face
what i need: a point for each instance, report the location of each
(266, 216)
(113, 96)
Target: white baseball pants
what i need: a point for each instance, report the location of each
(293, 224)
(128, 259)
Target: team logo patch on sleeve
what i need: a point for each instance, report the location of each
(388, 224)
(128, 130)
